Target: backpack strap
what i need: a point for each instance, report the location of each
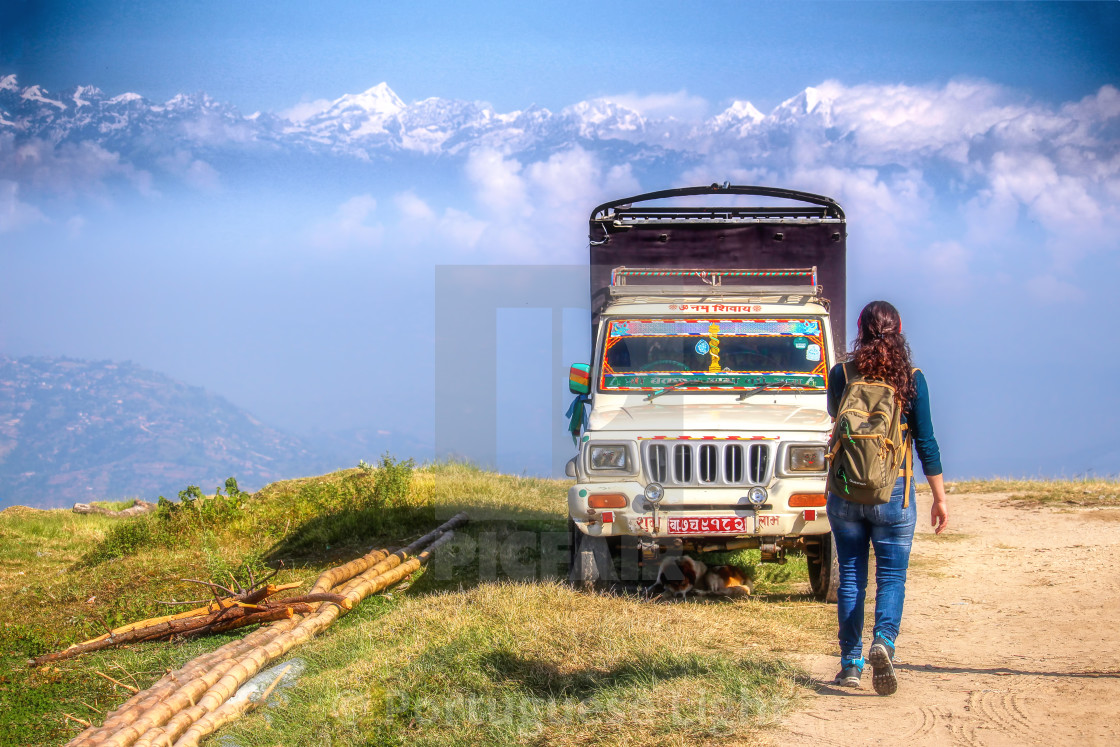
(908, 460)
(907, 469)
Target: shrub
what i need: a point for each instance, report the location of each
(392, 481)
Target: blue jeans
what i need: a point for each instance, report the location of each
(889, 528)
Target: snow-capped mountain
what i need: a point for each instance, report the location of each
(876, 126)
(373, 120)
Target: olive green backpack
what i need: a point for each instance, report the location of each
(869, 443)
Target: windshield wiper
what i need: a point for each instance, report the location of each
(671, 387)
(756, 390)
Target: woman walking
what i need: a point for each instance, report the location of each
(881, 353)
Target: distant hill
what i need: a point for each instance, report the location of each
(74, 430)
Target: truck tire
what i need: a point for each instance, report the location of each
(589, 560)
(824, 570)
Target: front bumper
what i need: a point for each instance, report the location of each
(695, 512)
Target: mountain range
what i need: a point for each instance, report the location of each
(73, 430)
(365, 123)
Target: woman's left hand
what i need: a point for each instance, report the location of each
(939, 515)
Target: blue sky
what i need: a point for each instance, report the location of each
(974, 145)
(268, 55)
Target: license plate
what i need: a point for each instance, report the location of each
(700, 524)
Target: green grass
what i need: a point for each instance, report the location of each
(536, 663)
(488, 628)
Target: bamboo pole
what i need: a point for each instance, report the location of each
(203, 685)
(216, 662)
(230, 711)
(252, 662)
(332, 577)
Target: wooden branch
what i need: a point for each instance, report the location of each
(226, 618)
(197, 612)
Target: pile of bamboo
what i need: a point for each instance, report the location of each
(192, 702)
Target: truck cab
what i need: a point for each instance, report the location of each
(705, 425)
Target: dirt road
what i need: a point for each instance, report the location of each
(1011, 636)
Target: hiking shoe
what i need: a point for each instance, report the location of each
(881, 656)
(850, 672)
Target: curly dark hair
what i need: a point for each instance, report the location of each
(880, 351)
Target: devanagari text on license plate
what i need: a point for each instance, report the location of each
(700, 524)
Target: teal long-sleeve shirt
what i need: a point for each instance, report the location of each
(917, 417)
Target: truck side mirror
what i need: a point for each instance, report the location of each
(579, 378)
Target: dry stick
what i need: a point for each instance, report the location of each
(131, 676)
(230, 711)
(216, 663)
(205, 715)
(252, 662)
(212, 586)
(81, 721)
(117, 682)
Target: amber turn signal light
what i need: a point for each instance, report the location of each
(606, 500)
(803, 500)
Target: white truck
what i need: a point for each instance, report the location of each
(701, 420)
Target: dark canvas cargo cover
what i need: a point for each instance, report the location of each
(810, 234)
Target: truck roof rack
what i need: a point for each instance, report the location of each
(622, 212)
(713, 277)
(647, 278)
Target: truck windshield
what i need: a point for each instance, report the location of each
(713, 354)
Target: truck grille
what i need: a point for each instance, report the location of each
(706, 463)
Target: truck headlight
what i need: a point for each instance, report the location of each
(806, 459)
(613, 457)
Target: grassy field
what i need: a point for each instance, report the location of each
(487, 646)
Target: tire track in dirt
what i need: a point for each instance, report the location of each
(995, 649)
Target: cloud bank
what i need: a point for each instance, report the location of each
(947, 171)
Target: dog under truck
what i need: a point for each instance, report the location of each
(701, 420)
